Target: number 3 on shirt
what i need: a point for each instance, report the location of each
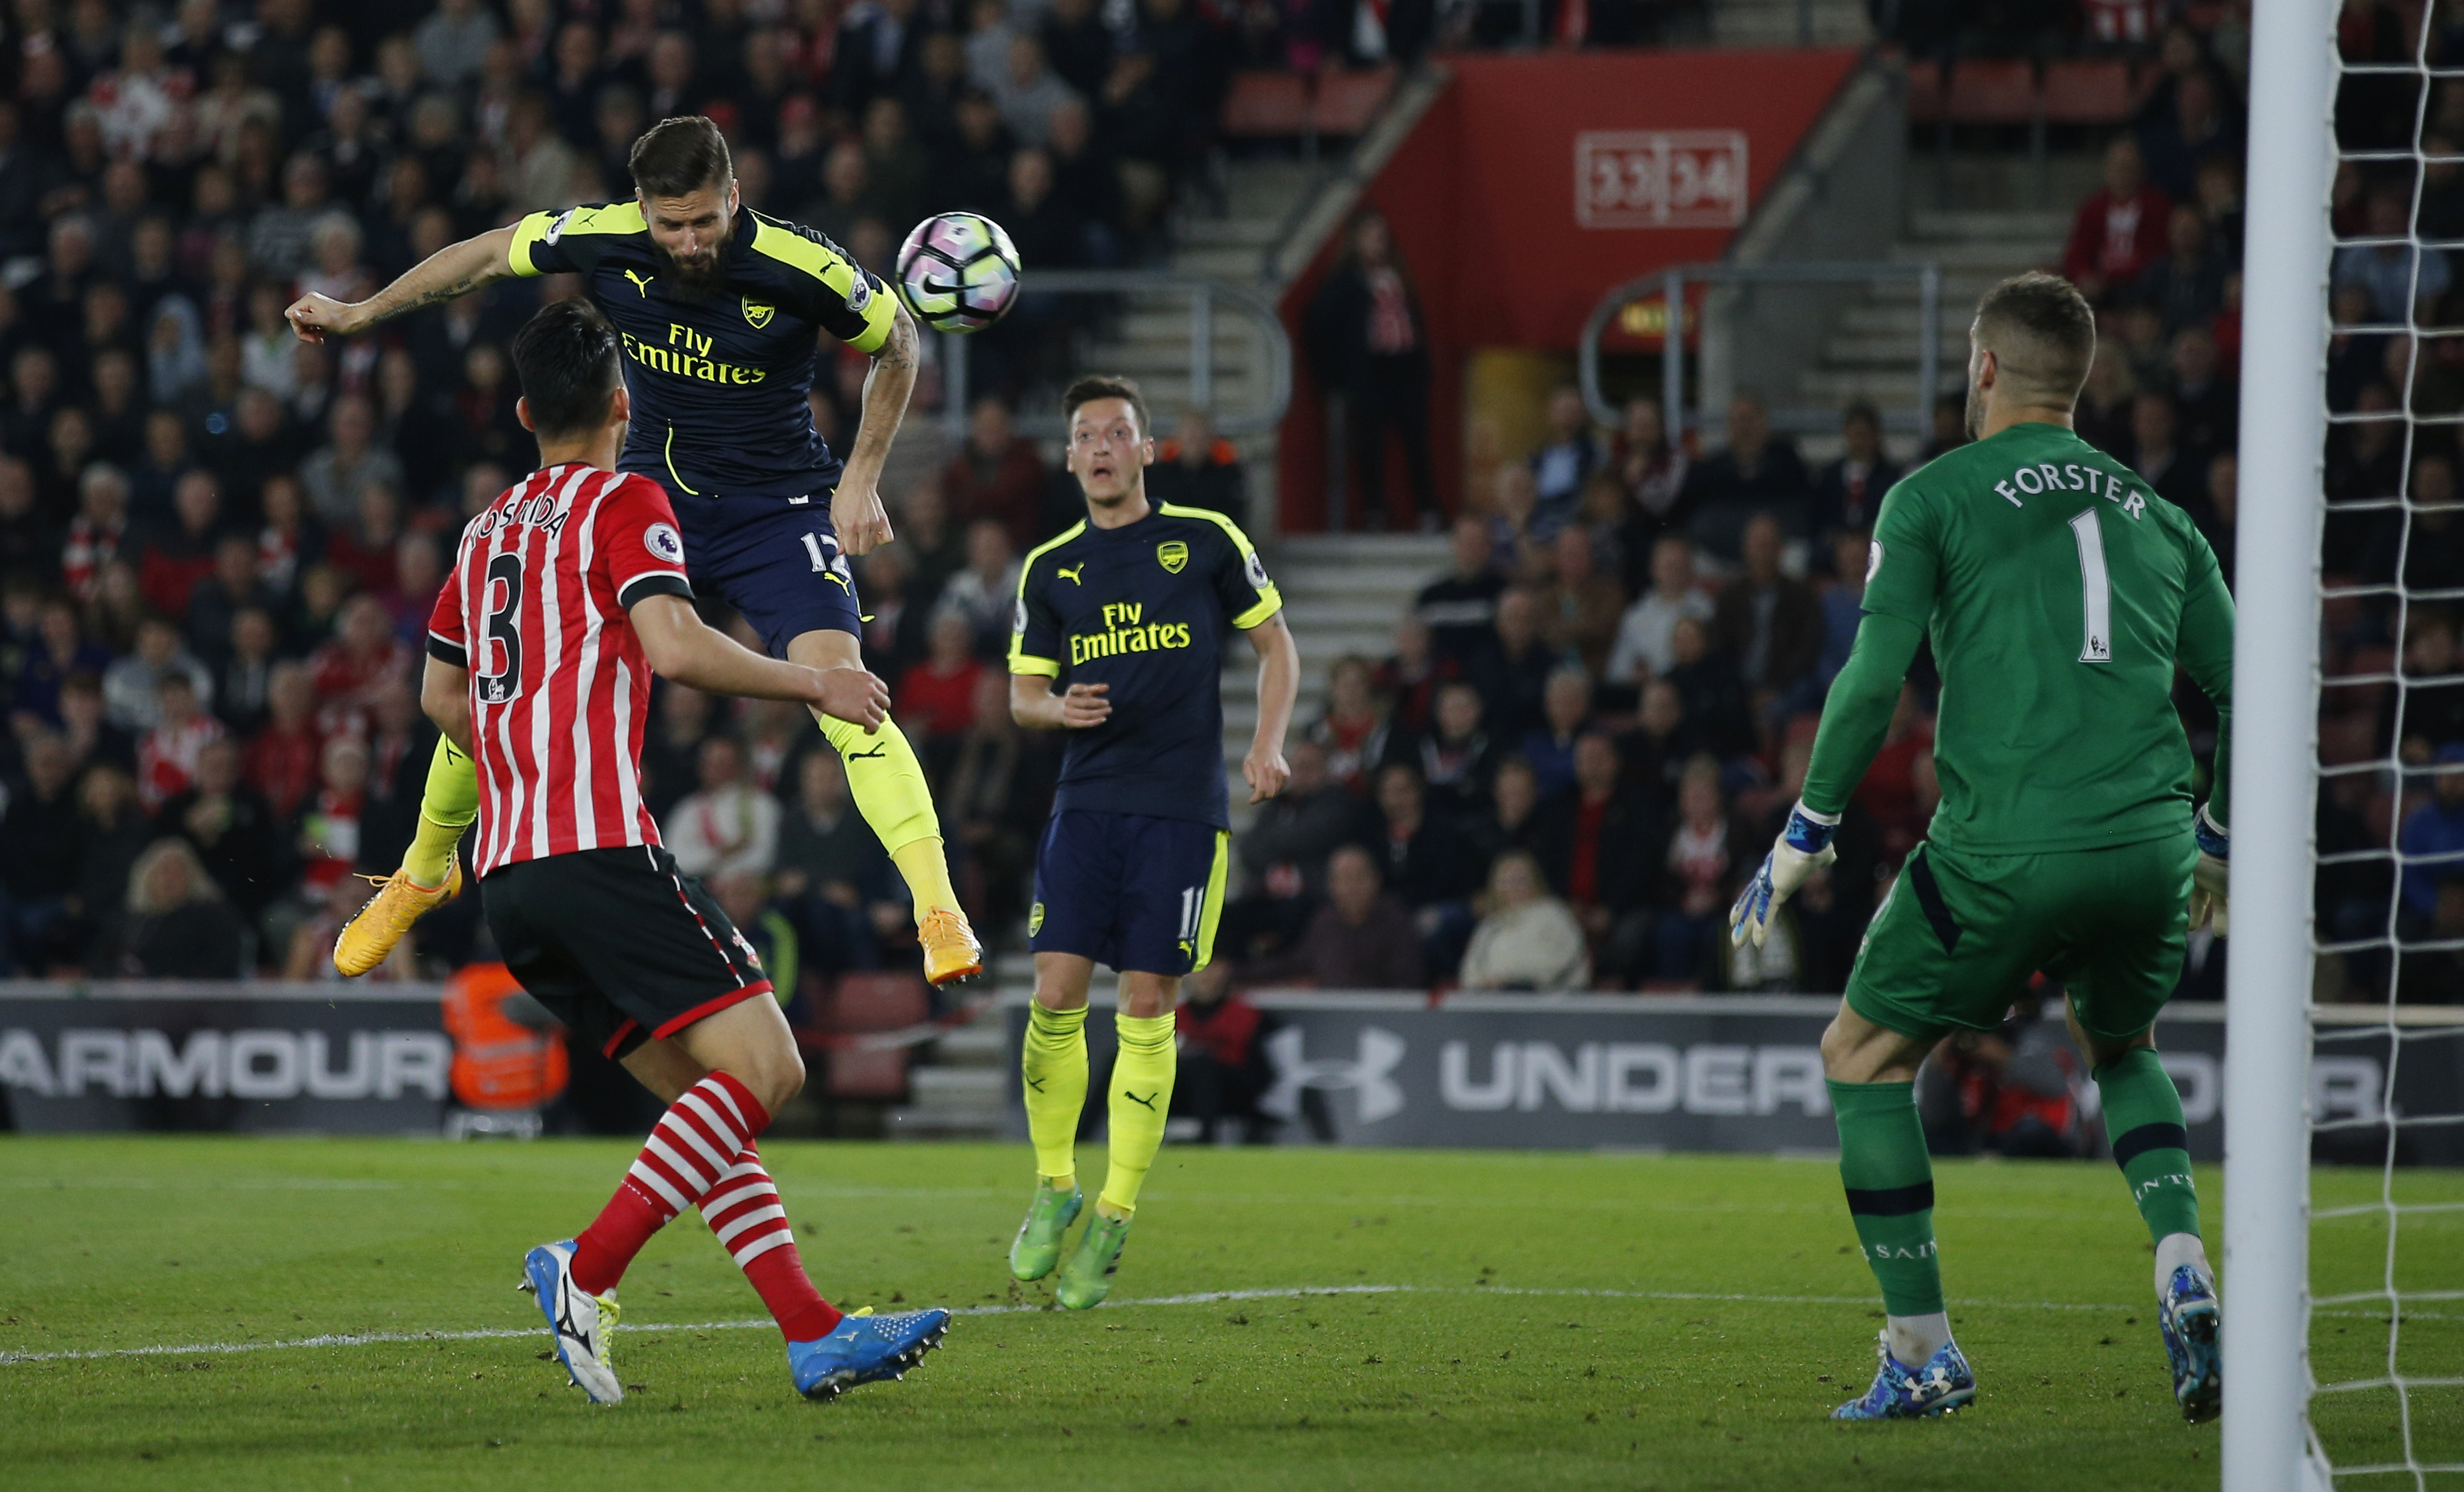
(2096, 599)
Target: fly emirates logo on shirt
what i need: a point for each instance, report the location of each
(2044, 476)
(687, 355)
(1126, 630)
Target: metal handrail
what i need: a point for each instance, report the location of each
(1204, 295)
(1672, 282)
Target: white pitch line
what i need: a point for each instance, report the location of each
(1197, 1298)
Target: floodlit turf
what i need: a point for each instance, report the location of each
(1545, 1321)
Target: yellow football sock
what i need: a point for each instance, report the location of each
(446, 810)
(1141, 1097)
(888, 784)
(1054, 1067)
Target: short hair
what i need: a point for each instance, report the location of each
(1087, 390)
(680, 155)
(565, 360)
(2041, 331)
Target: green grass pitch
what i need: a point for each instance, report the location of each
(1470, 1320)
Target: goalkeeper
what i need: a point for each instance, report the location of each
(2059, 595)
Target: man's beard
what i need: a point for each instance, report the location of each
(693, 282)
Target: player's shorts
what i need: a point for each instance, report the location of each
(618, 944)
(1957, 940)
(777, 562)
(1130, 891)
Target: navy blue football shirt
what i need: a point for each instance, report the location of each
(719, 380)
(1146, 609)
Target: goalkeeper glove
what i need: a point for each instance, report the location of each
(1803, 845)
(2208, 876)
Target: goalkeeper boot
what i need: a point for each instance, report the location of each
(1942, 1385)
(582, 1323)
(1050, 1213)
(2188, 1313)
(864, 1349)
(950, 950)
(369, 939)
(1087, 1278)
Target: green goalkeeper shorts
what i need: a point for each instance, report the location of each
(1954, 943)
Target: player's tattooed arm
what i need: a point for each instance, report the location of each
(855, 509)
(1279, 687)
(455, 269)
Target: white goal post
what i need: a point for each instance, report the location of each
(2268, 1446)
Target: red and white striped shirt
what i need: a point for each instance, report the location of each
(536, 611)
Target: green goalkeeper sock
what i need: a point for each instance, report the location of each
(1054, 1068)
(2143, 1120)
(1889, 1177)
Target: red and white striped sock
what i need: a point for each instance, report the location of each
(695, 1141)
(745, 1216)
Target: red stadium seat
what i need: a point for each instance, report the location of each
(1991, 91)
(867, 1002)
(856, 1073)
(1267, 105)
(2089, 91)
(1348, 100)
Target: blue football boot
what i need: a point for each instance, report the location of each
(2188, 1313)
(581, 1322)
(864, 1349)
(1944, 1384)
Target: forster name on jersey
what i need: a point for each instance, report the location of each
(2044, 476)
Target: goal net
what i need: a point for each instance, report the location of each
(2345, 1067)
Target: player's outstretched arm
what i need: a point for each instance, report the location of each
(1034, 706)
(1856, 716)
(681, 648)
(455, 269)
(1279, 687)
(855, 509)
(444, 695)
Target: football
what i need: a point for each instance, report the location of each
(957, 271)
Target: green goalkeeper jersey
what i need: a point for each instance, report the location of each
(2058, 593)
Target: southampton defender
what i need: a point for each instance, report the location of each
(567, 593)
(1129, 611)
(717, 309)
(2059, 594)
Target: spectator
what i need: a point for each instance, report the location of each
(996, 476)
(824, 844)
(730, 824)
(336, 473)
(1583, 606)
(1529, 940)
(2176, 474)
(60, 649)
(1710, 695)
(1361, 939)
(1597, 841)
(132, 687)
(2197, 126)
(938, 696)
(40, 834)
(1027, 91)
(1644, 647)
(166, 757)
(1701, 856)
(86, 726)
(1849, 491)
(1766, 623)
(2430, 845)
(2119, 231)
(1460, 607)
(354, 667)
(1651, 470)
(1428, 863)
(329, 819)
(2187, 287)
(282, 757)
(176, 925)
(182, 553)
(999, 791)
(1354, 730)
(1455, 757)
(2207, 403)
(1564, 712)
(2427, 716)
(671, 746)
(1304, 823)
(452, 43)
(1843, 608)
(1195, 468)
(95, 533)
(1408, 679)
(985, 592)
(229, 825)
(2403, 282)
(1561, 466)
(1512, 670)
(1369, 345)
(1223, 1069)
(1754, 472)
